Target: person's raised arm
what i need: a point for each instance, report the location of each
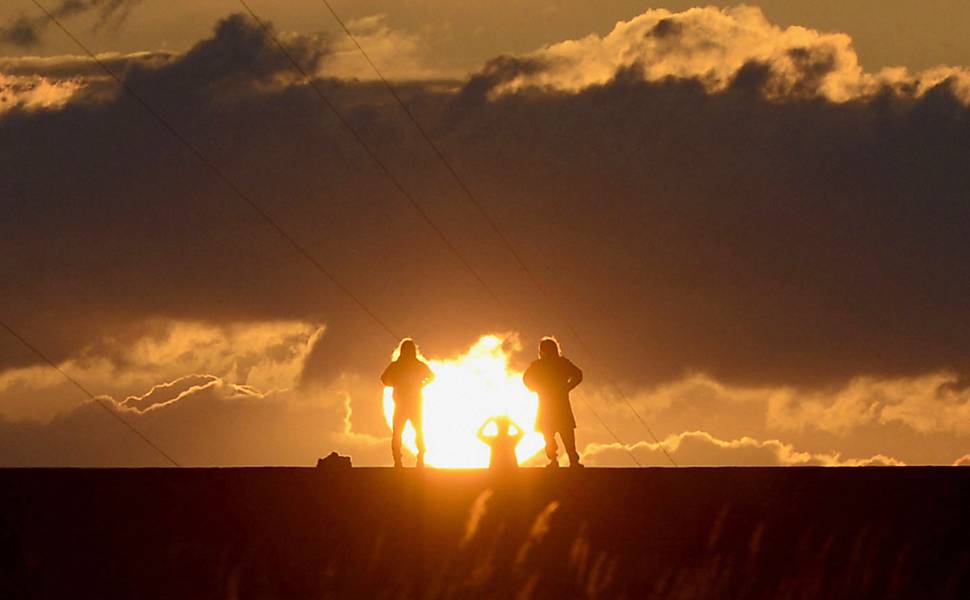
(481, 432)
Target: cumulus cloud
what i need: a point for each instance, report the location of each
(214, 423)
(699, 448)
(719, 48)
(203, 419)
(933, 403)
(32, 83)
(398, 54)
(32, 93)
(238, 57)
(268, 355)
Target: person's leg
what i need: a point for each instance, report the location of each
(552, 449)
(418, 423)
(569, 441)
(396, 430)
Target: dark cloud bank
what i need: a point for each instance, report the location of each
(772, 241)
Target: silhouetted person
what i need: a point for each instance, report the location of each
(503, 443)
(407, 375)
(552, 377)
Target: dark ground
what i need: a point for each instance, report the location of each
(377, 533)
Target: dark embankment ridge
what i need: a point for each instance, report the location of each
(377, 533)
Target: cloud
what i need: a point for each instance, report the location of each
(238, 57)
(22, 32)
(27, 31)
(699, 448)
(261, 369)
(786, 243)
(934, 403)
(32, 93)
(215, 423)
(963, 461)
(266, 355)
(212, 423)
(720, 48)
(33, 83)
(245, 401)
(919, 420)
(166, 393)
(400, 55)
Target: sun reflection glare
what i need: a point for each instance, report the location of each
(467, 390)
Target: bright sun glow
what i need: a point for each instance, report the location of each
(467, 390)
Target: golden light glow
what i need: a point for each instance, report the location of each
(467, 390)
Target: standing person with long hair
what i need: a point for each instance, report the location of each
(407, 375)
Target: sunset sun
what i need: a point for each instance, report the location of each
(467, 390)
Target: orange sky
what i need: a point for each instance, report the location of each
(757, 230)
(461, 35)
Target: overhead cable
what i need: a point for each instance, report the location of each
(229, 183)
(485, 215)
(98, 401)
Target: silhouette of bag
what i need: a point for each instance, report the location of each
(334, 462)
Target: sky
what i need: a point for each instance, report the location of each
(746, 222)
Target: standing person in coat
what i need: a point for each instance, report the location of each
(553, 376)
(407, 375)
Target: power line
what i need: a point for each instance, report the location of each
(645, 426)
(589, 407)
(427, 138)
(483, 212)
(302, 250)
(249, 201)
(233, 187)
(382, 166)
(94, 398)
(267, 30)
(400, 187)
